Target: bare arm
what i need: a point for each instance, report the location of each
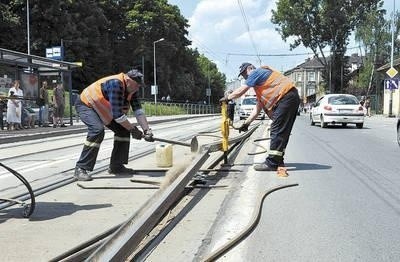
(238, 92)
(254, 113)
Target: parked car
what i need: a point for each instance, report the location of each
(398, 131)
(247, 105)
(337, 109)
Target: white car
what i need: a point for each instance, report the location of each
(247, 105)
(337, 109)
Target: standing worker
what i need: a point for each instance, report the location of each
(279, 98)
(106, 103)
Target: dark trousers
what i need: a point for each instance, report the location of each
(283, 117)
(95, 136)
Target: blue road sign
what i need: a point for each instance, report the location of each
(392, 83)
(55, 52)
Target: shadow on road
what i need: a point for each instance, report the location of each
(306, 166)
(48, 210)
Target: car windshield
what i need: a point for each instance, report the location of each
(343, 100)
(249, 101)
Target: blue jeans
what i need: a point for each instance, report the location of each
(44, 115)
(40, 115)
(95, 136)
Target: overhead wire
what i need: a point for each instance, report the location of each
(206, 49)
(246, 22)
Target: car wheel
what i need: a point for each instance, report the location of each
(323, 124)
(311, 120)
(360, 125)
(344, 124)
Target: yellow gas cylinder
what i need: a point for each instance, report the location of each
(164, 155)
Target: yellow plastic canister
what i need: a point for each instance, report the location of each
(164, 155)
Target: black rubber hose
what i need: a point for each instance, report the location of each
(250, 227)
(26, 213)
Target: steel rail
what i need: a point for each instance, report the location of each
(65, 181)
(129, 236)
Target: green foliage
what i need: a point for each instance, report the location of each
(113, 36)
(163, 109)
(317, 24)
(374, 36)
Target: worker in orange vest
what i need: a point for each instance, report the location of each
(279, 98)
(106, 103)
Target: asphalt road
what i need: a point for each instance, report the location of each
(346, 207)
(347, 204)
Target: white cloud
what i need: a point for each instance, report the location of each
(218, 30)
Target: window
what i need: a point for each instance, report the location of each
(311, 76)
(343, 100)
(299, 77)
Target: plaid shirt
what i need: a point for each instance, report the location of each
(113, 92)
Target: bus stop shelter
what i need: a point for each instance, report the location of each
(29, 69)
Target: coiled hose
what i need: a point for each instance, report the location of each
(28, 208)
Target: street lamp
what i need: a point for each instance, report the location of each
(155, 70)
(27, 27)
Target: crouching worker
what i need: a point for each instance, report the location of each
(278, 97)
(106, 103)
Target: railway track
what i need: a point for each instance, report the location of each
(120, 242)
(127, 241)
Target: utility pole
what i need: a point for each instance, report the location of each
(391, 61)
(27, 27)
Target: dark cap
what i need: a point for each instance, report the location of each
(243, 68)
(135, 74)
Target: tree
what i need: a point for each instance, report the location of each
(374, 36)
(112, 36)
(10, 22)
(317, 24)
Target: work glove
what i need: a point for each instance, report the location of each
(244, 128)
(224, 99)
(136, 133)
(148, 135)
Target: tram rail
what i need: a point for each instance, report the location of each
(121, 243)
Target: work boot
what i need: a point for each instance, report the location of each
(263, 167)
(81, 174)
(121, 170)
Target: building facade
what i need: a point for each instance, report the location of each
(308, 79)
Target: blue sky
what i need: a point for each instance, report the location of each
(217, 30)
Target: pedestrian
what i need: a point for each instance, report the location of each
(106, 103)
(278, 97)
(59, 105)
(367, 105)
(14, 106)
(43, 102)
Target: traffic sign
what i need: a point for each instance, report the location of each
(55, 52)
(154, 90)
(392, 72)
(392, 83)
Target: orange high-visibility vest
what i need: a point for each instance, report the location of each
(272, 90)
(92, 96)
